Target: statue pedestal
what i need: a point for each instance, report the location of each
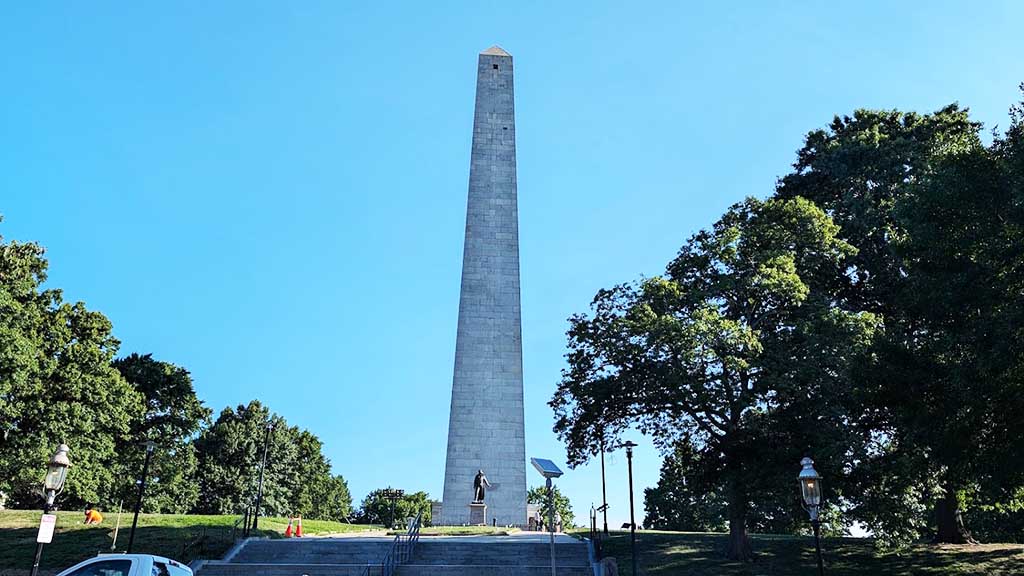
(478, 514)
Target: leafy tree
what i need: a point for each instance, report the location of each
(56, 385)
(315, 493)
(683, 499)
(330, 499)
(741, 347)
(376, 509)
(563, 508)
(173, 417)
(936, 219)
(230, 454)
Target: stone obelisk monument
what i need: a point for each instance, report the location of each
(485, 428)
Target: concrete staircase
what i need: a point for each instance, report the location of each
(432, 556)
(298, 557)
(452, 557)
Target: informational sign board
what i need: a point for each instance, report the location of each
(46, 525)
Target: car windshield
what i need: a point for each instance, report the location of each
(120, 567)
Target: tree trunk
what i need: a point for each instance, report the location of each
(739, 542)
(951, 528)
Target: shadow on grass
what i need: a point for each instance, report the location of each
(697, 554)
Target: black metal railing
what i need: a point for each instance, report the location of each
(207, 541)
(596, 536)
(400, 552)
(238, 529)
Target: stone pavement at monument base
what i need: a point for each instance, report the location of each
(522, 554)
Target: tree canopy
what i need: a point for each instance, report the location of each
(376, 509)
(172, 418)
(60, 382)
(740, 335)
(538, 495)
(684, 499)
(297, 478)
(57, 385)
(936, 217)
(868, 314)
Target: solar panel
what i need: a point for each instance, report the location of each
(546, 468)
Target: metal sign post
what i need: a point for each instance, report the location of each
(548, 470)
(117, 527)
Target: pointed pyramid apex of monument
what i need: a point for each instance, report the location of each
(495, 51)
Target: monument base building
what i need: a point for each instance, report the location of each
(485, 427)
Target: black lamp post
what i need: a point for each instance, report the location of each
(263, 467)
(150, 445)
(56, 473)
(394, 495)
(810, 491)
(604, 493)
(629, 445)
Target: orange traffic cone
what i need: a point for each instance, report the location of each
(298, 528)
(288, 530)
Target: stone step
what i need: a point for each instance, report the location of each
(490, 554)
(433, 570)
(311, 558)
(472, 559)
(350, 557)
(273, 569)
(311, 552)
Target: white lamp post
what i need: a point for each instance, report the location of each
(53, 483)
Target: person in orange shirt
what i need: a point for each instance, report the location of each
(92, 516)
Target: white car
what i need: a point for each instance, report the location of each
(128, 565)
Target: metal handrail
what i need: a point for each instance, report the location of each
(235, 530)
(596, 539)
(401, 549)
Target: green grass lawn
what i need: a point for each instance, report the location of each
(700, 554)
(161, 534)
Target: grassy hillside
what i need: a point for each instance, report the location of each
(698, 554)
(162, 534)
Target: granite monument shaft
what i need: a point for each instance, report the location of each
(485, 427)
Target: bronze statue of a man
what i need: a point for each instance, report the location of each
(479, 485)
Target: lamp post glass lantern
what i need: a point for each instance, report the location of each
(56, 473)
(810, 491)
(810, 484)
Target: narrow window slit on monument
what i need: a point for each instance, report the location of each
(495, 66)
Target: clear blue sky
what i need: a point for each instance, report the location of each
(273, 195)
